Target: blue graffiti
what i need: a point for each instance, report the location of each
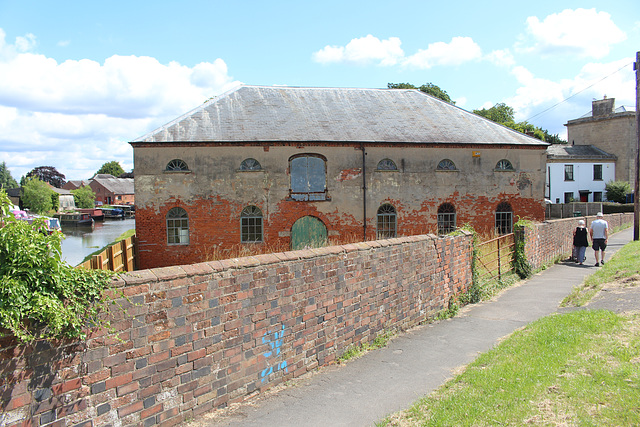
(275, 344)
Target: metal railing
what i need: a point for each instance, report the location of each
(495, 256)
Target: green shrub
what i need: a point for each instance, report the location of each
(41, 296)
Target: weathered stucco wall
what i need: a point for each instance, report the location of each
(615, 134)
(215, 191)
(197, 337)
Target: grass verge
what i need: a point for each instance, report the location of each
(623, 268)
(579, 368)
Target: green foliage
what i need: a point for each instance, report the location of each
(353, 352)
(42, 297)
(47, 174)
(37, 196)
(520, 263)
(617, 191)
(499, 113)
(112, 168)
(84, 197)
(428, 88)
(6, 180)
(505, 115)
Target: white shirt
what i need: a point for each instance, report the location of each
(598, 228)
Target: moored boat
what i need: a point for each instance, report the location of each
(76, 219)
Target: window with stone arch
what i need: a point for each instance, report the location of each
(446, 165)
(308, 177)
(504, 165)
(387, 222)
(504, 218)
(446, 218)
(177, 227)
(251, 225)
(386, 165)
(250, 165)
(177, 165)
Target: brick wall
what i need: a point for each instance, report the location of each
(549, 240)
(197, 337)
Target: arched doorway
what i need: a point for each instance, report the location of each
(308, 232)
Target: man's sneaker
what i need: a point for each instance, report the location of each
(602, 262)
(597, 264)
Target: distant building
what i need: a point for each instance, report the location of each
(296, 167)
(612, 130)
(75, 184)
(578, 173)
(110, 190)
(65, 199)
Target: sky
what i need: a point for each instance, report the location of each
(80, 79)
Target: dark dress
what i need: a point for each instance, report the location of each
(580, 237)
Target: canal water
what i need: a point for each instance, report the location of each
(81, 241)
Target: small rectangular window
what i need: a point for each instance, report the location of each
(568, 172)
(597, 172)
(568, 197)
(597, 196)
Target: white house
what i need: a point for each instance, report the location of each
(578, 173)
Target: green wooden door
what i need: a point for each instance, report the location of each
(308, 231)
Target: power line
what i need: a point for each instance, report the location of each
(580, 91)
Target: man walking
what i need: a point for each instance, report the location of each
(599, 232)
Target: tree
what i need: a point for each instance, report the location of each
(499, 113)
(41, 296)
(6, 180)
(617, 191)
(428, 88)
(48, 174)
(37, 196)
(84, 197)
(505, 115)
(111, 168)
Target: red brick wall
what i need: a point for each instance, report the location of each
(547, 241)
(196, 337)
(214, 224)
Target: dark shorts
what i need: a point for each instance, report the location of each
(599, 244)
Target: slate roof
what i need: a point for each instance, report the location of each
(298, 114)
(115, 185)
(577, 152)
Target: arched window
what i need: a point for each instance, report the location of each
(250, 165)
(387, 222)
(504, 165)
(386, 165)
(308, 177)
(251, 225)
(504, 218)
(177, 227)
(446, 218)
(177, 165)
(446, 165)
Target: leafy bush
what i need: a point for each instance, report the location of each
(37, 196)
(617, 191)
(41, 296)
(84, 197)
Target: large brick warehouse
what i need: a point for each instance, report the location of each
(292, 167)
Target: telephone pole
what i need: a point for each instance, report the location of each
(636, 188)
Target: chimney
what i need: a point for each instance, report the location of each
(603, 107)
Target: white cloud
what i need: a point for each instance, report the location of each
(502, 58)
(362, 51)
(458, 51)
(571, 98)
(77, 115)
(582, 32)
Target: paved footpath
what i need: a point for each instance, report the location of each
(415, 363)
